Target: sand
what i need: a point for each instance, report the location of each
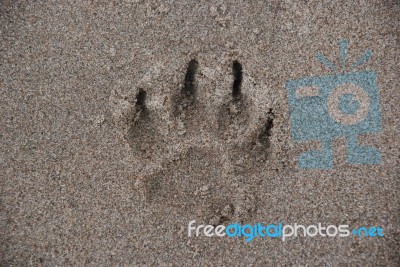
(110, 145)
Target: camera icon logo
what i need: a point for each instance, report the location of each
(339, 105)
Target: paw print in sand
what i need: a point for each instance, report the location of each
(198, 160)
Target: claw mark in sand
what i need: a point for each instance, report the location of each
(265, 134)
(189, 89)
(237, 83)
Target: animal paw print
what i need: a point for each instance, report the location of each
(198, 160)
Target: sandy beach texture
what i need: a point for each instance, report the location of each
(119, 124)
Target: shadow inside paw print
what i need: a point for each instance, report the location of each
(142, 135)
(195, 183)
(192, 179)
(186, 99)
(233, 122)
(188, 111)
(205, 177)
(260, 144)
(234, 114)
